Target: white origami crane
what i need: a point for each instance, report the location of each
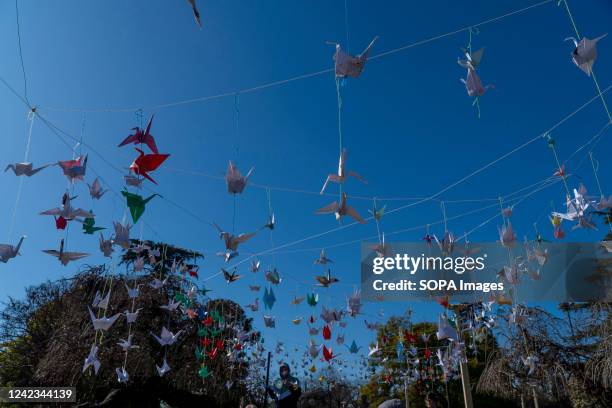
(472, 60)
(254, 306)
(322, 259)
(576, 207)
(373, 350)
(158, 283)
(585, 53)
(67, 211)
(313, 349)
(122, 235)
(171, 305)
(99, 301)
(530, 363)
(106, 246)
(131, 316)
(445, 331)
(354, 303)
(138, 264)
(330, 315)
(92, 360)
(133, 292)
(163, 369)
(95, 190)
(8, 251)
(122, 375)
(127, 344)
(342, 175)
(24, 169)
(133, 181)
(604, 203)
(341, 210)
(167, 337)
(65, 257)
(102, 323)
(235, 181)
(447, 244)
(351, 66)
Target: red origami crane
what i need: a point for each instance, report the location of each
(194, 272)
(206, 342)
(427, 353)
(213, 353)
(326, 332)
(219, 344)
(560, 172)
(140, 137)
(312, 319)
(208, 321)
(60, 223)
(328, 354)
(146, 163)
(238, 346)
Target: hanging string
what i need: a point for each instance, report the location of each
(339, 97)
(551, 143)
(443, 208)
(31, 116)
(346, 26)
(571, 17)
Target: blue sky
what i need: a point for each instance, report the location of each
(408, 124)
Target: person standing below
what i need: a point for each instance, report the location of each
(286, 390)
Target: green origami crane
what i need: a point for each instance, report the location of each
(89, 226)
(181, 297)
(204, 373)
(312, 299)
(202, 331)
(136, 204)
(199, 352)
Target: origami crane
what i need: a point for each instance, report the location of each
(328, 354)
(313, 349)
(65, 257)
(341, 210)
(89, 226)
(353, 349)
(60, 223)
(254, 306)
(136, 203)
(122, 375)
(372, 326)
(326, 332)
(340, 340)
(102, 323)
(297, 300)
(101, 302)
(235, 181)
(196, 13)
(92, 360)
(322, 259)
(146, 163)
(67, 211)
(171, 306)
(373, 350)
(447, 244)
(378, 213)
(351, 66)
(354, 303)
(507, 237)
(473, 84)
(273, 276)
(585, 53)
(127, 344)
(269, 321)
(24, 169)
(131, 316)
(8, 251)
(232, 241)
(106, 246)
(139, 137)
(342, 175)
(472, 59)
(312, 299)
(230, 277)
(161, 371)
(576, 208)
(296, 321)
(255, 266)
(330, 315)
(122, 235)
(255, 288)
(74, 169)
(95, 190)
(326, 280)
(268, 298)
(167, 338)
(445, 331)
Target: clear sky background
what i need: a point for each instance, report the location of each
(408, 124)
